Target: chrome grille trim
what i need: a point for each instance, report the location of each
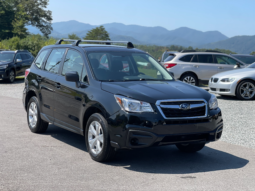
(178, 106)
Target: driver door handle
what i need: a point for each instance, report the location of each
(220, 67)
(196, 66)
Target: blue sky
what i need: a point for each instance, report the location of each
(230, 17)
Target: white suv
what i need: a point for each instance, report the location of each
(192, 67)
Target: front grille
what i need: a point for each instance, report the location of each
(213, 89)
(181, 102)
(187, 121)
(184, 113)
(182, 109)
(215, 80)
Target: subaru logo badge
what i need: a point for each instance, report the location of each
(185, 106)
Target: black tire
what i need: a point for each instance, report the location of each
(238, 90)
(11, 77)
(190, 148)
(108, 152)
(189, 76)
(40, 125)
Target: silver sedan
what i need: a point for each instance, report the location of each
(239, 83)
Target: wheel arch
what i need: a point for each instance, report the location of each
(95, 108)
(192, 72)
(30, 94)
(241, 80)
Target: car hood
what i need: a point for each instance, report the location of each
(151, 91)
(236, 72)
(4, 62)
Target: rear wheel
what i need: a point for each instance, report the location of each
(189, 78)
(97, 139)
(11, 77)
(35, 123)
(246, 90)
(190, 148)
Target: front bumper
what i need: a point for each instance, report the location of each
(151, 129)
(3, 74)
(223, 88)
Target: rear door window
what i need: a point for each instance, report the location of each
(186, 58)
(205, 58)
(24, 57)
(54, 60)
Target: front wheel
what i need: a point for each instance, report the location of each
(35, 123)
(11, 77)
(98, 139)
(190, 78)
(246, 90)
(190, 148)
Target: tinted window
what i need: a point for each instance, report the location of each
(220, 59)
(18, 56)
(245, 59)
(24, 57)
(54, 60)
(194, 59)
(165, 55)
(205, 58)
(40, 58)
(73, 62)
(186, 58)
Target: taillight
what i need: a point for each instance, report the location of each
(170, 65)
(27, 72)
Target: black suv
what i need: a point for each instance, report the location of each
(14, 63)
(118, 98)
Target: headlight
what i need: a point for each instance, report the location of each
(132, 105)
(227, 79)
(213, 103)
(3, 66)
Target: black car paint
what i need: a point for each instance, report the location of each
(18, 67)
(68, 106)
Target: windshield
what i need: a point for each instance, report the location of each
(252, 65)
(123, 66)
(246, 59)
(7, 57)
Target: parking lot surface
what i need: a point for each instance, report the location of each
(58, 159)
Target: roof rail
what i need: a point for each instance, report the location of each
(107, 42)
(21, 51)
(183, 51)
(213, 51)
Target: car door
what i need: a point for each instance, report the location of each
(18, 65)
(206, 66)
(225, 63)
(25, 62)
(47, 81)
(69, 98)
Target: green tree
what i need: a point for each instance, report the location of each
(73, 36)
(98, 33)
(253, 53)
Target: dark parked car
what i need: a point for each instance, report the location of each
(118, 106)
(246, 58)
(14, 63)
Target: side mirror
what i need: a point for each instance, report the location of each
(18, 60)
(73, 77)
(238, 65)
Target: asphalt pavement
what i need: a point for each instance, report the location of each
(58, 159)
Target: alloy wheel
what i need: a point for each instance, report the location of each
(33, 114)
(247, 90)
(189, 80)
(95, 137)
(11, 76)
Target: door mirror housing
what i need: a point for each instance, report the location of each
(18, 60)
(72, 77)
(238, 65)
